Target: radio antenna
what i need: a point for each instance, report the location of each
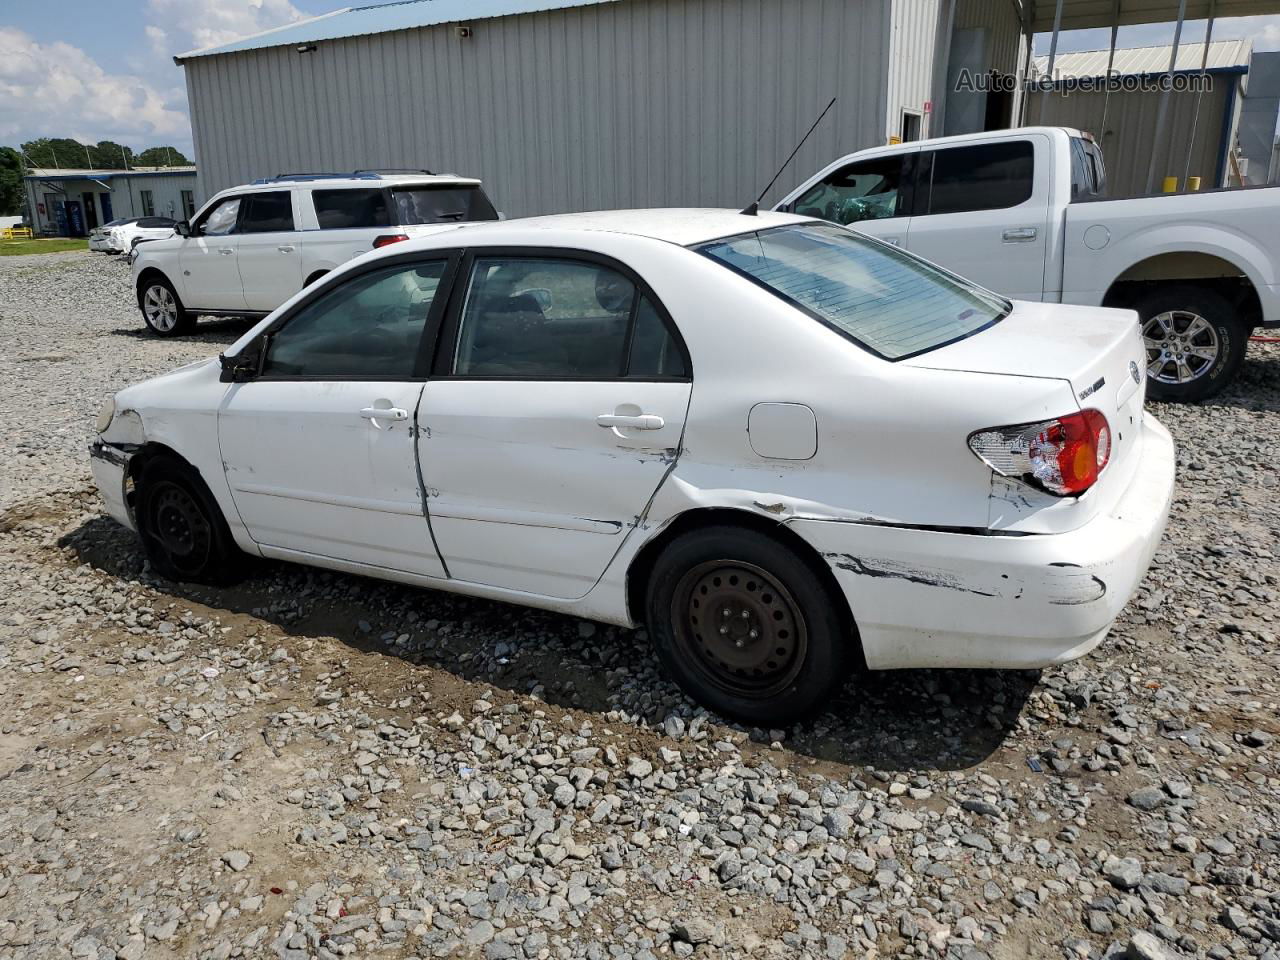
(754, 208)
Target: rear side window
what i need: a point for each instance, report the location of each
(267, 213)
(343, 209)
(987, 176)
(883, 299)
(441, 205)
(865, 190)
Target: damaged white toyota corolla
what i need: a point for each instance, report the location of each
(786, 448)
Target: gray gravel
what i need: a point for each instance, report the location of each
(315, 765)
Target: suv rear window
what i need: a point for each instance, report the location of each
(883, 299)
(440, 205)
(342, 209)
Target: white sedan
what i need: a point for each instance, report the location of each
(126, 237)
(787, 448)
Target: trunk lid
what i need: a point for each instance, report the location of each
(1099, 352)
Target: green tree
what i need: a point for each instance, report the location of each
(108, 155)
(58, 152)
(11, 192)
(161, 157)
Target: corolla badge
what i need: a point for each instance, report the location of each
(1134, 371)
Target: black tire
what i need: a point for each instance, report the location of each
(1198, 338)
(184, 534)
(780, 652)
(164, 318)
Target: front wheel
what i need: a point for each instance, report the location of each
(745, 626)
(1195, 343)
(162, 311)
(183, 532)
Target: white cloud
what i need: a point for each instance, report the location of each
(57, 89)
(192, 24)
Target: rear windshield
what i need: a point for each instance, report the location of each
(441, 205)
(886, 301)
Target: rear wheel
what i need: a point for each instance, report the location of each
(183, 532)
(1195, 343)
(163, 312)
(745, 627)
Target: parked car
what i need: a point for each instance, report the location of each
(1024, 212)
(126, 237)
(251, 248)
(786, 448)
(100, 239)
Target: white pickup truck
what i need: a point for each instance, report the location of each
(1023, 212)
(251, 248)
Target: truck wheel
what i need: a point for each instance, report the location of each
(163, 312)
(745, 626)
(183, 532)
(1195, 343)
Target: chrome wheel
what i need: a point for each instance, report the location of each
(1181, 346)
(160, 308)
(740, 628)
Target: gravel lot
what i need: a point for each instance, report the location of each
(315, 765)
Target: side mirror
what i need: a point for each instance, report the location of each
(245, 365)
(182, 228)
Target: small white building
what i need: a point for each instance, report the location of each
(70, 203)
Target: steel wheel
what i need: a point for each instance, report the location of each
(740, 628)
(160, 308)
(177, 524)
(1182, 346)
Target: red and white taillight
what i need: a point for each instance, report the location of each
(1062, 456)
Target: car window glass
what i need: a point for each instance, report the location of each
(654, 351)
(441, 205)
(544, 318)
(987, 176)
(344, 209)
(221, 220)
(866, 190)
(369, 326)
(268, 213)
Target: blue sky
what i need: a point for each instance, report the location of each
(95, 70)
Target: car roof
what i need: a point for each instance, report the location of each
(682, 226)
(296, 181)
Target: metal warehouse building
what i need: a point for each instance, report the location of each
(563, 105)
(70, 203)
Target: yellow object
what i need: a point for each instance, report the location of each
(1170, 185)
(1193, 183)
(16, 233)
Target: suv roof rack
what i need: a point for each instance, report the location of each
(380, 170)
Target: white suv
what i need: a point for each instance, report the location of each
(251, 248)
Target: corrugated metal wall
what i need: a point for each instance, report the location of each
(912, 39)
(1129, 136)
(650, 102)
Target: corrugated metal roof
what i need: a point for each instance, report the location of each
(1083, 14)
(382, 18)
(1135, 61)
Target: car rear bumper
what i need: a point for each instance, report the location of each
(926, 598)
(110, 467)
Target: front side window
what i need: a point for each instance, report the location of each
(148, 203)
(538, 318)
(344, 209)
(866, 190)
(883, 299)
(368, 327)
(441, 205)
(988, 176)
(267, 213)
(221, 220)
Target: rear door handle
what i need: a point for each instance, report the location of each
(286, 248)
(225, 251)
(384, 413)
(644, 421)
(1020, 235)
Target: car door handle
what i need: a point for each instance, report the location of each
(225, 252)
(286, 248)
(1019, 235)
(644, 421)
(384, 413)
